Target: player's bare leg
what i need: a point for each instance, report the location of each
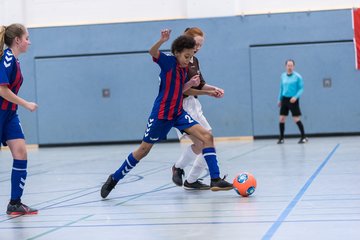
(130, 162)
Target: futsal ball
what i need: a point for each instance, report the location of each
(244, 184)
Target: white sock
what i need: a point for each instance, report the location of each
(196, 170)
(187, 156)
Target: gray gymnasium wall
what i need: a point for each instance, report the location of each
(67, 69)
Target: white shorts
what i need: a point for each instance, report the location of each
(193, 107)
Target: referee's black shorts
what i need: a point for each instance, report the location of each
(286, 105)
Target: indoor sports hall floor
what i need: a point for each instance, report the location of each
(308, 191)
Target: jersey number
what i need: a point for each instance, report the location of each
(187, 117)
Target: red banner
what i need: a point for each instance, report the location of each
(356, 26)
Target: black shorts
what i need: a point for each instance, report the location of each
(286, 105)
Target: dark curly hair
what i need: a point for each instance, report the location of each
(181, 43)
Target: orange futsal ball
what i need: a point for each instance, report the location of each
(244, 184)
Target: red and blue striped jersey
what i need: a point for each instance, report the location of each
(168, 103)
(10, 75)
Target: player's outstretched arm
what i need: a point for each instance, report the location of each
(154, 50)
(219, 92)
(206, 90)
(197, 92)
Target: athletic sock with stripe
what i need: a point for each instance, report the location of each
(129, 163)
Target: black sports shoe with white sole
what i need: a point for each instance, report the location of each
(198, 185)
(220, 184)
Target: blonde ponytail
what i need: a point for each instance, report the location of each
(2, 40)
(9, 33)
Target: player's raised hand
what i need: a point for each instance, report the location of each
(154, 50)
(165, 34)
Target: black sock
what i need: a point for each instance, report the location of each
(282, 130)
(301, 128)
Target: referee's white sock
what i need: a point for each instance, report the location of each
(187, 157)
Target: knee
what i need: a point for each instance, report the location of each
(20, 153)
(197, 147)
(208, 138)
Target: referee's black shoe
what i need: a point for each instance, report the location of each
(303, 140)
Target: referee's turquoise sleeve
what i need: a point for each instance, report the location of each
(300, 87)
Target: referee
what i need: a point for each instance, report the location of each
(291, 88)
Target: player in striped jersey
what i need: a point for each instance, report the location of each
(168, 112)
(16, 37)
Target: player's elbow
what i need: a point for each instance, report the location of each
(3, 90)
(154, 53)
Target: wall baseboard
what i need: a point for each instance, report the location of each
(28, 147)
(225, 139)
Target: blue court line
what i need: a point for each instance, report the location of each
(139, 177)
(51, 206)
(29, 175)
(247, 152)
(269, 234)
(161, 188)
(70, 225)
(150, 172)
(59, 227)
(136, 195)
